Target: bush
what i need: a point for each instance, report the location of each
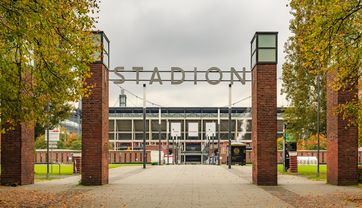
(40, 142)
(280, 143)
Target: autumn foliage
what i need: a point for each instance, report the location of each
(45, 49)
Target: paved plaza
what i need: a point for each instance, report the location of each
(181, 186)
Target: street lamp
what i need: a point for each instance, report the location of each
(264, 47)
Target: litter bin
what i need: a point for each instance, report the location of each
(238, 154)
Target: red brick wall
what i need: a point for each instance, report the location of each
(264, 124)
(17, 156)
(120, 155)
(342, 139)
(95, 129)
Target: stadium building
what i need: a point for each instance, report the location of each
(126, 127)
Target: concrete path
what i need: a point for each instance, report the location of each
(192, 186)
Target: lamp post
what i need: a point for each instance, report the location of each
(144, 127)
(159, 136)
(47, 157)
(318, 122)
(229, 134)
(218, 136)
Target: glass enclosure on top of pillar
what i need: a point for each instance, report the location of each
(264, 48)
(101, 45)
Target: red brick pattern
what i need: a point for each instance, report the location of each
(17, 156)
(342, 139)
(95, 129)
(117, 156)
(128, 156)
(293, 164)
(264, 124)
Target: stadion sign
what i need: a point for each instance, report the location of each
(177, 75)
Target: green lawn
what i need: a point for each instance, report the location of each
(66, 169)
(308, 171)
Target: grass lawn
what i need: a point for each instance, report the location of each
(308, 171)
(123, 165)
(66, 169)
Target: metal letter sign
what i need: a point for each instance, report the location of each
(177, 75)
(175, 129)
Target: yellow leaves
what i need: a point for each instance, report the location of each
(327, 38)
(58, 37)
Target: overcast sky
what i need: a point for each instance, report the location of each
(187, 34)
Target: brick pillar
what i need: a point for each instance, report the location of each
(342, 139)
(95, 129)
(264, 124)
(293, 163)
(17, 156)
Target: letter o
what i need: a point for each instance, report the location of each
(213, 70)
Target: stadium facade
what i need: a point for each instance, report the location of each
(126, 130)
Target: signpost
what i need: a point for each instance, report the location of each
(52, 137)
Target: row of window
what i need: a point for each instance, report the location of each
(139, 136)
(138, 125)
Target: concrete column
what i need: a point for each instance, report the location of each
(17, 155)
(95, 129)
(342, 138)
(264, 124)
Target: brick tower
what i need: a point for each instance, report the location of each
(95, 146)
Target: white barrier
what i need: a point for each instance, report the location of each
(307, 160)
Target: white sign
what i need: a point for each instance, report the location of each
(210, 129)
(193, 129)
(175, 129)
(53, 144)
(54, 135)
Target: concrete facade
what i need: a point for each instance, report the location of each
(17, 155)
(95, 128)
(264, 124)
(342, 146)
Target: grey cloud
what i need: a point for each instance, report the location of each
(189, 33)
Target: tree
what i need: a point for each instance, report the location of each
(69, 141)
(326, 39)
(45, 49)
(301, 89)
(311, 143)
(40, 142)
